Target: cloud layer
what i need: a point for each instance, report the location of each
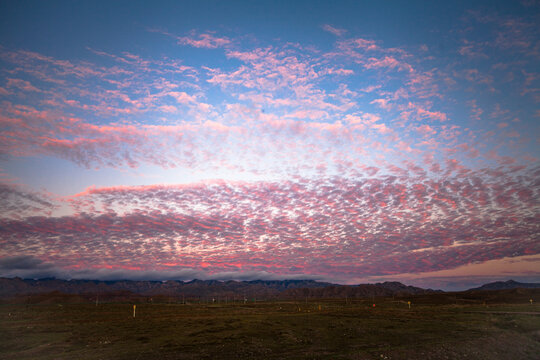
(357, 157)
(319, 227)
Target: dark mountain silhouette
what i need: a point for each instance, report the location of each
(208, 290)
(504, 285)
(213, 290)
(357, 291)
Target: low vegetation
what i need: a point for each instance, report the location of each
(310, 329)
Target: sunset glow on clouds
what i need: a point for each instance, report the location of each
(201, 145)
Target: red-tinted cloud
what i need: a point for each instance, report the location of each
(371, 226)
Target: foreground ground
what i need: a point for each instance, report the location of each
(271, 330)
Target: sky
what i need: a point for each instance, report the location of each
(341, 141)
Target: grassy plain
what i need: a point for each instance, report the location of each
(270, 330)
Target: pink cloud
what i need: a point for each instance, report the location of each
(364, 44)
(270, 225)
(426, 130)
(387, 62)
(203, 41)
(370, 88)
(276, 96)
(365, 118)
(404, 146)
(18, 202)
(473, 49)
(333, 30)
(382, 103)
(513, 134)
(344, 72)
(435, 115)
(381, 128)
(309, 114)
(22, 85)
(430, 143)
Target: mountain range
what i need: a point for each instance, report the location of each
(261, 289)
(504, 285)
(213, 290)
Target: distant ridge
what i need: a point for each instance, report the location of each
(198, 289)
(504, 285)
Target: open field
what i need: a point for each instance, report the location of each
(270, 330)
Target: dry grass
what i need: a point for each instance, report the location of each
(268, 331)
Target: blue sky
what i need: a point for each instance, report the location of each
(341, 141)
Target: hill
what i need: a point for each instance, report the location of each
(201, 289)
(505, 285)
